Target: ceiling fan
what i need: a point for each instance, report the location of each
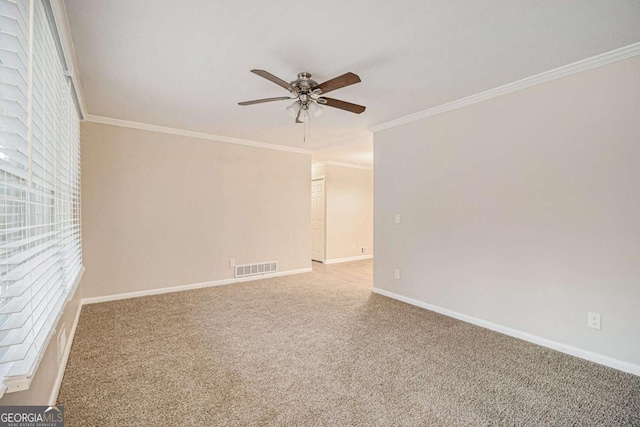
(309, 95)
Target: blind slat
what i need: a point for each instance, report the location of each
(14, 321)
(37, 276)
(24, 242)
(24, 255)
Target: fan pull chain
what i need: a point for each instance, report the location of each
(307, 128)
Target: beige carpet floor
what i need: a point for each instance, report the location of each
(318, 350)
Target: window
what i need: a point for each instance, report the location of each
(40, 242)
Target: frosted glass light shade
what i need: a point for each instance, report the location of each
(293, 109)
(315, 109)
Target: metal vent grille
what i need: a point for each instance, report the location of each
(255, 269)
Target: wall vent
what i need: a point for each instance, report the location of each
(255, 269)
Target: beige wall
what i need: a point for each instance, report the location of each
(349, 209)
(43, 382)
(162, 210)
(523, 210)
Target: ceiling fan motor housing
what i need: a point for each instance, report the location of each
(304, 82)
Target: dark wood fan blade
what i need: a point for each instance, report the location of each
(277, 80)
(339, 82)
(344, 105)
(260, 101)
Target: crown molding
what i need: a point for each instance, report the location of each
(344, 165)
(547, 76)
(192, 134)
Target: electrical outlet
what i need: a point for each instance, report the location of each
(62, 342)
(232, 263)
(593, 320)
(364, 250)
(397, 219)
(396, 273)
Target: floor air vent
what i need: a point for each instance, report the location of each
(255, 269)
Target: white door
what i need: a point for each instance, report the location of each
(317, 219)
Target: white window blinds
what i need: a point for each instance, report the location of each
(40, 242)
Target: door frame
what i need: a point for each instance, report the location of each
(324, 216)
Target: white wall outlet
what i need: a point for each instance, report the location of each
(593, 320)
(364, 250)
(396, 273)
(232, 262)
(397, 219)
(62, 342)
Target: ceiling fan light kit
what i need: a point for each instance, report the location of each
(309, 94)
(311, 109)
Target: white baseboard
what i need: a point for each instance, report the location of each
(353, 258)
(65, 357)
(180, 288)
(554, 345)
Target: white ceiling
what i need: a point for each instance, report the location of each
(185, 64)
